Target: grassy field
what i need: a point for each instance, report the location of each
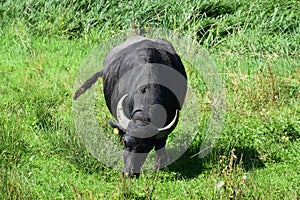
(255, 46)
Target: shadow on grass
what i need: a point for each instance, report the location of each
(69, 146)
(189, 166)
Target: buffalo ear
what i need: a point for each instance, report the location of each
(117, 128)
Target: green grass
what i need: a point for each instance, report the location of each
(256, 49)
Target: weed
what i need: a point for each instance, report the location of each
(232, 177)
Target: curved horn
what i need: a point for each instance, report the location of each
(171, 124)
(123, 120)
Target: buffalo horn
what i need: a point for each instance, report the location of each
(169, 125)
(123, 120)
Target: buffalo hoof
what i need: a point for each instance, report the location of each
(130, 175)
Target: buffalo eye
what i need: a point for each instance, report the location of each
(143, 90)
(128, 142)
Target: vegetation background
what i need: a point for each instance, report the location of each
(255, 45)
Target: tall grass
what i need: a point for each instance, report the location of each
(209, 21)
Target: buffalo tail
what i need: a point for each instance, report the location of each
(87, 84)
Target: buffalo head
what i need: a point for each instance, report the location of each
(142, 132)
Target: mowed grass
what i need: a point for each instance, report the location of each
(256, 50)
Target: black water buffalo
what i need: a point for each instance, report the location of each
(144, 84)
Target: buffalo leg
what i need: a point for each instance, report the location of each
(161, 159)
(161, 154)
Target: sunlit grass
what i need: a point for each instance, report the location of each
(255, 47)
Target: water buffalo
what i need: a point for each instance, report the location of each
(144, 83)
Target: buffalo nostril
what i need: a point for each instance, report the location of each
(147, 120)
